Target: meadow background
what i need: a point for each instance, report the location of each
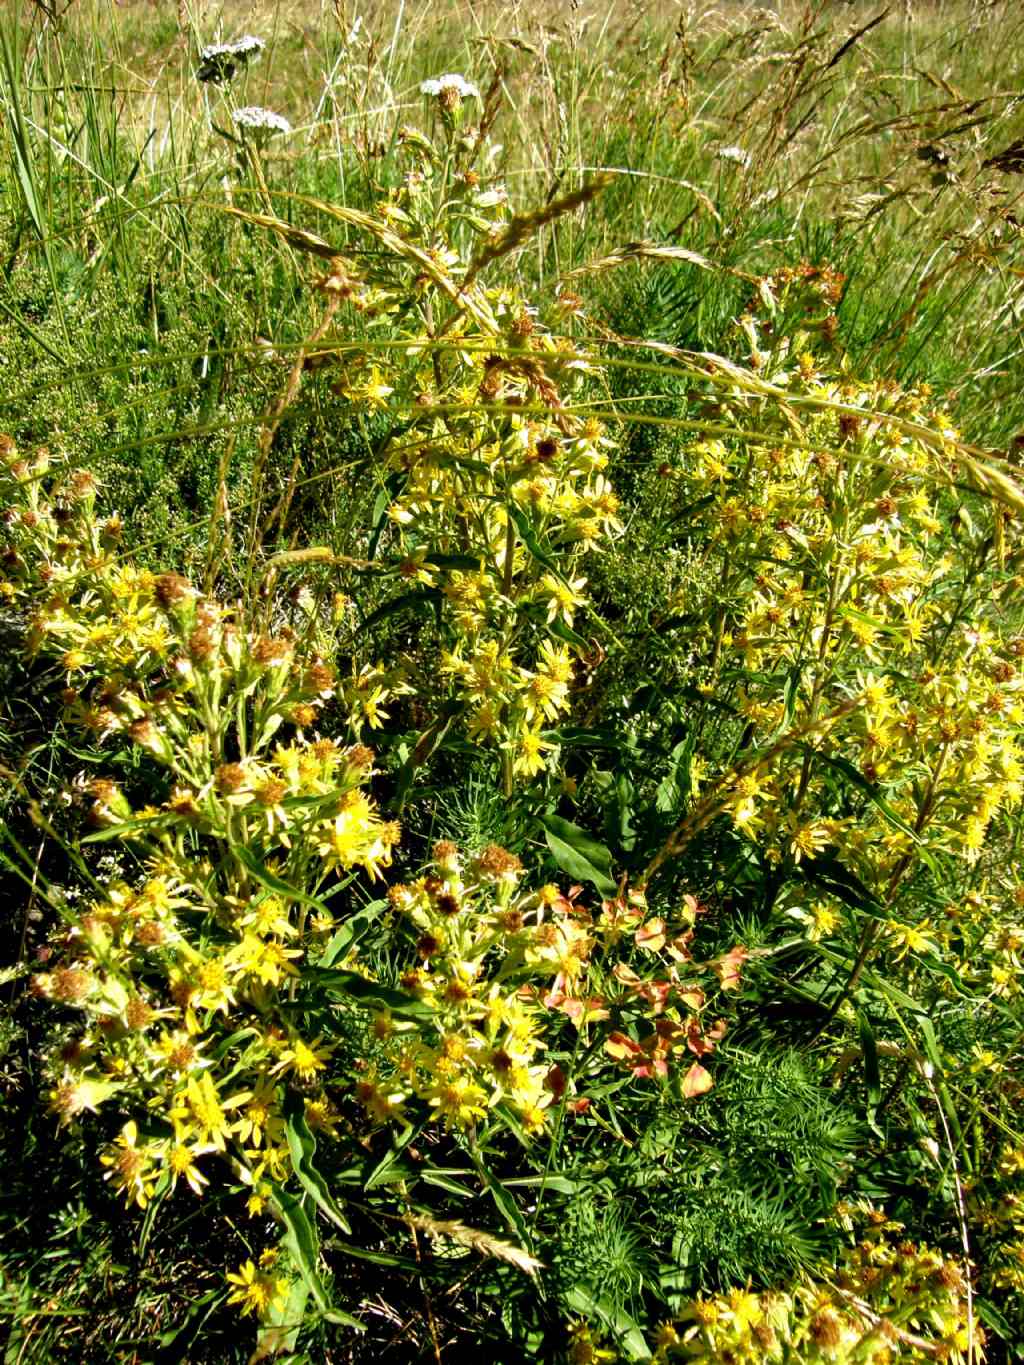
(737, 228)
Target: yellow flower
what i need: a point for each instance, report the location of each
(806, 841)
(199, 1108)
(305, 1059)
(256, 1290)
(180, 1161)
(322, 1116)
(261, 1116)
(213, 989)
(528, 754)
(911, 938)
(459, 1102)
(265, 959)
(564, 597)
(131, 1166)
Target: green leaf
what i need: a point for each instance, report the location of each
(507, 1206)
(123, 829)
(563, 632)
(193, 1319)
(468, 563)
(302, 1146)
(367, 994)
(444, 1181)
(352, 930)
(872, 1074)
(391, 1167)
(256, 870)
(627, 1329)
(578, 854)
(991, 1317)
(572, 736)
(379, 517)
(541, 553)
(426, 745)
(303, 1245)
(403, 1263)
(559, 1183)
(280, 1332)
(829, 873)
(408, 601)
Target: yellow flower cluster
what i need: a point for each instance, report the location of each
(180, 979)
(884, 1303)
(501, 969)
(498, 489)
(843, 621)
(193, 985)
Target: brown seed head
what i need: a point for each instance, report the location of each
(70, 985)
(137, 1014)
(231, 777)
(201, 645)
(171, 589)
(360, 757)
(826, 1329)
(496, 863)
(149, 934)
(271, 651)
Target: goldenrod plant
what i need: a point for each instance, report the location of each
(512, 646)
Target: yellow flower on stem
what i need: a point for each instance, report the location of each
(265, 959)
(459, 1102)
(131, 1166)
(911, 938)
(200, 1108)
(528, 753)
(304, 1059)
(564, 597)
(261, 1117)
(256, 1290)
(180, 1161)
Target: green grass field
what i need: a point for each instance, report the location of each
(613, 473)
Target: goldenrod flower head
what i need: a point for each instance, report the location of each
(256, 1290)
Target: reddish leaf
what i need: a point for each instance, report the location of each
(692, 996)
(621, 1047)
(728, 968)
(651, 936)
(696, 1082)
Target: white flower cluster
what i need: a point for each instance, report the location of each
(465, 89)
(259, 120)
(220, 61)
(736, 154)
(245, 49)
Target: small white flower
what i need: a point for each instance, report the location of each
(248, 46)
(463, 88)
(219, 61)
(259, 120)
(736, 154)
(245, 48)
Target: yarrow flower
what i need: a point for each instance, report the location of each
(450, 91)
(261, 123)
(220, 61)
(463, 89)
(736, 154)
